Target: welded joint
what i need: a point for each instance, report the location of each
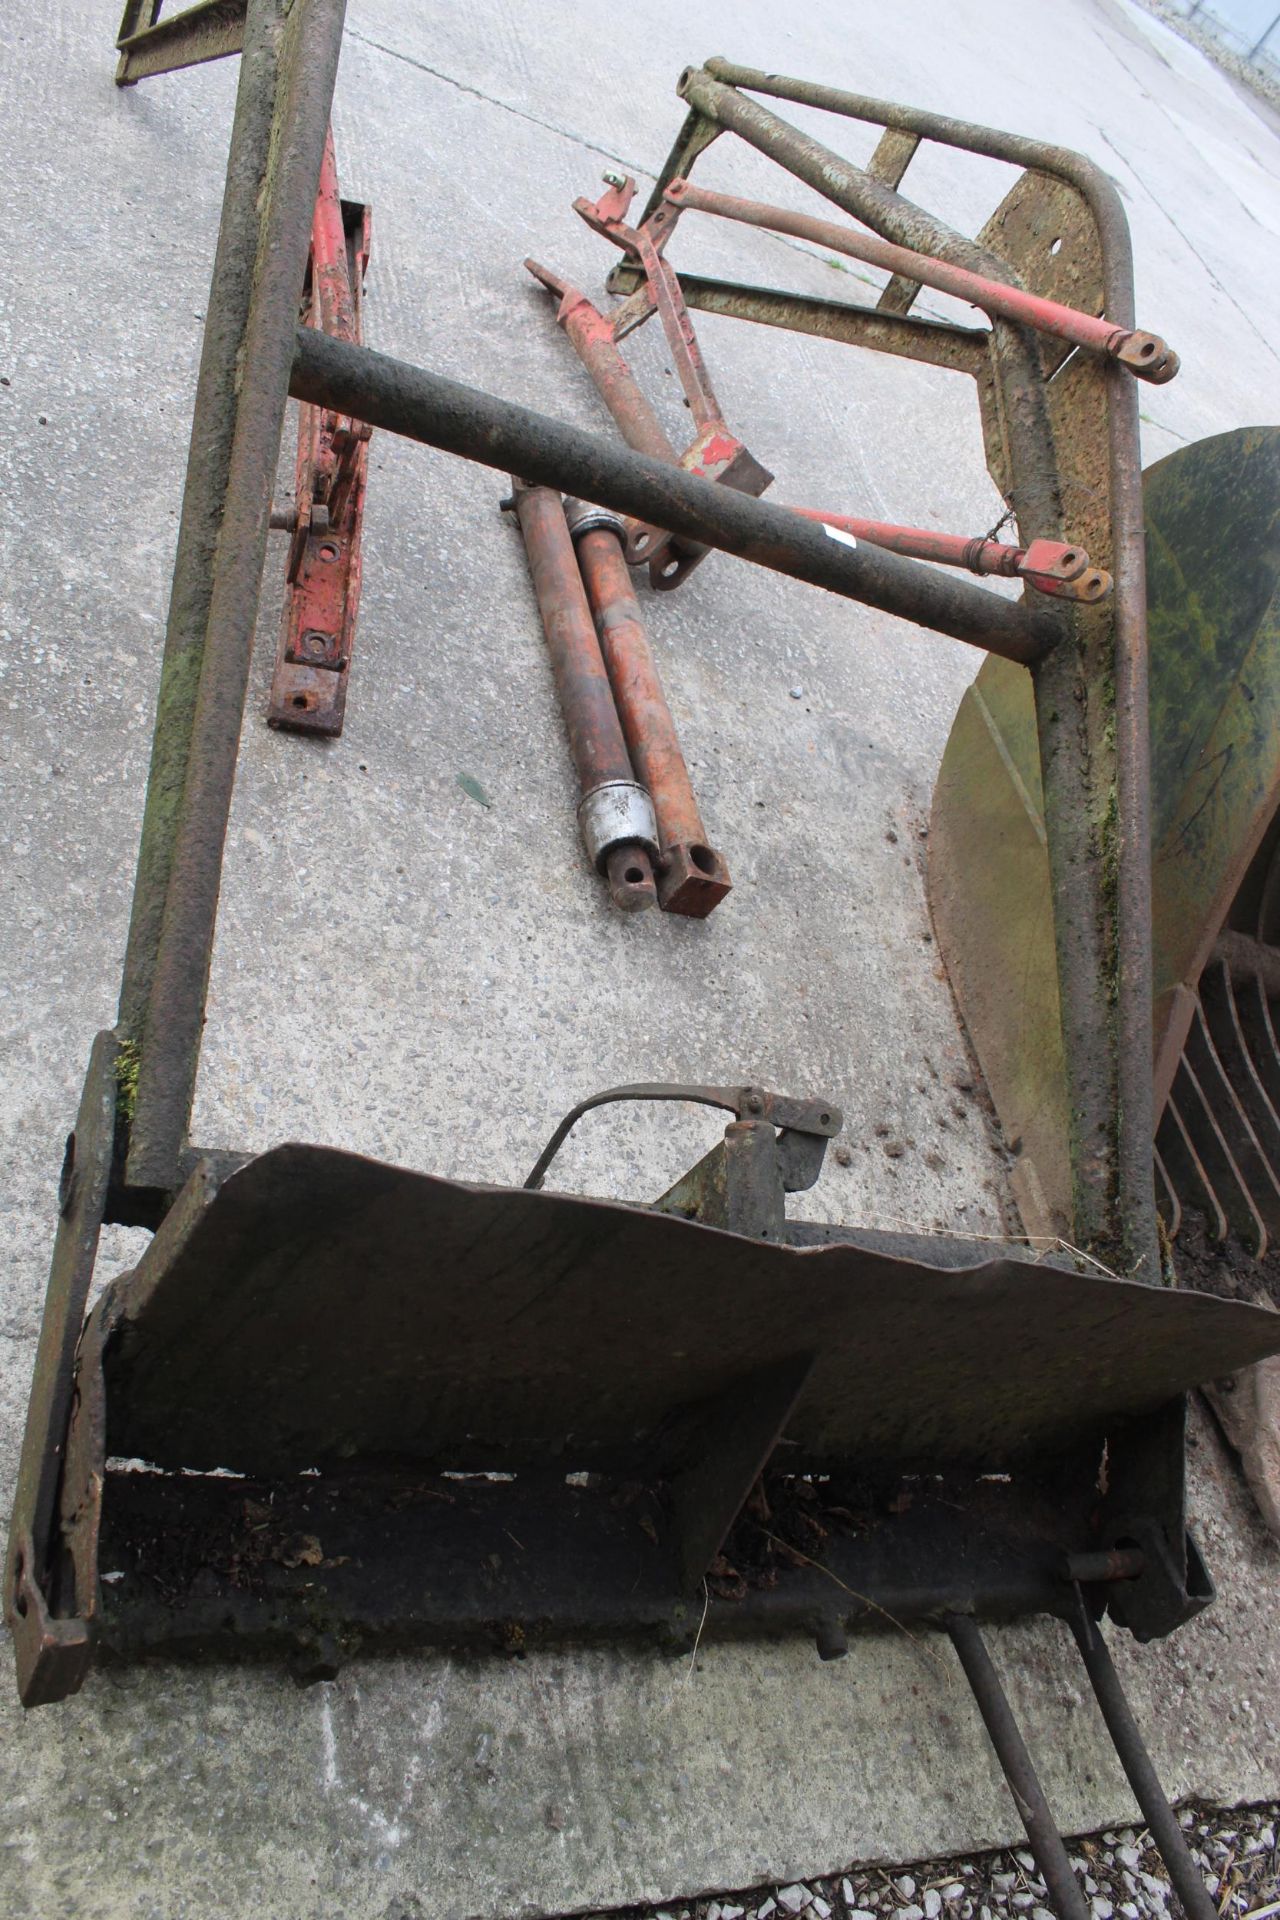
(149, 46)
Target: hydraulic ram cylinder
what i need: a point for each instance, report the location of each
(614, 813)
(692, 876)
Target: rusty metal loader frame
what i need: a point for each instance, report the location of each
(1060, 430)
(1044, 1399)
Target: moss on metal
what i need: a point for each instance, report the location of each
(128, 1061)
(1213, 573)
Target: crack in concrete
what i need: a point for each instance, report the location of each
(1176, 125)
(504, 106)
(1190, 245)
(580, 140)
(591, 146)
(1149, 420)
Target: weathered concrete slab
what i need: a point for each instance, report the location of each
(484, 983)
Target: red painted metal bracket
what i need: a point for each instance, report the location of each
(317, 632)
(716, 453)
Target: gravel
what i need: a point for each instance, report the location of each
(1121, 1873)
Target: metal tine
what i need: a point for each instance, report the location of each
(1171, 1211)
(1191, 1184)
(1141, 1774)
(1215, 1155)
(1016, 1764)
(1234, 1124)
(1222, 1016)
(1259, 1031)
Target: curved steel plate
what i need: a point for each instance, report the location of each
(320, 1308)
(1213, 579)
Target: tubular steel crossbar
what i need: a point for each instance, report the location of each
(444, 413)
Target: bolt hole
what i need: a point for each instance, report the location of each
(328, 551)
(1070, 557)
(824, 1119)
(1148, 348)
(671, 568)
(1056, 248)
(634, 876)
(299, 700)
(703, 859)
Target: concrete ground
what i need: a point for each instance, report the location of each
(474, 980)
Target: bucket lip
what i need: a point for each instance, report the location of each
(330, 1306)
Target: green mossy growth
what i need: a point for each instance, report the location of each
(128, 1062)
